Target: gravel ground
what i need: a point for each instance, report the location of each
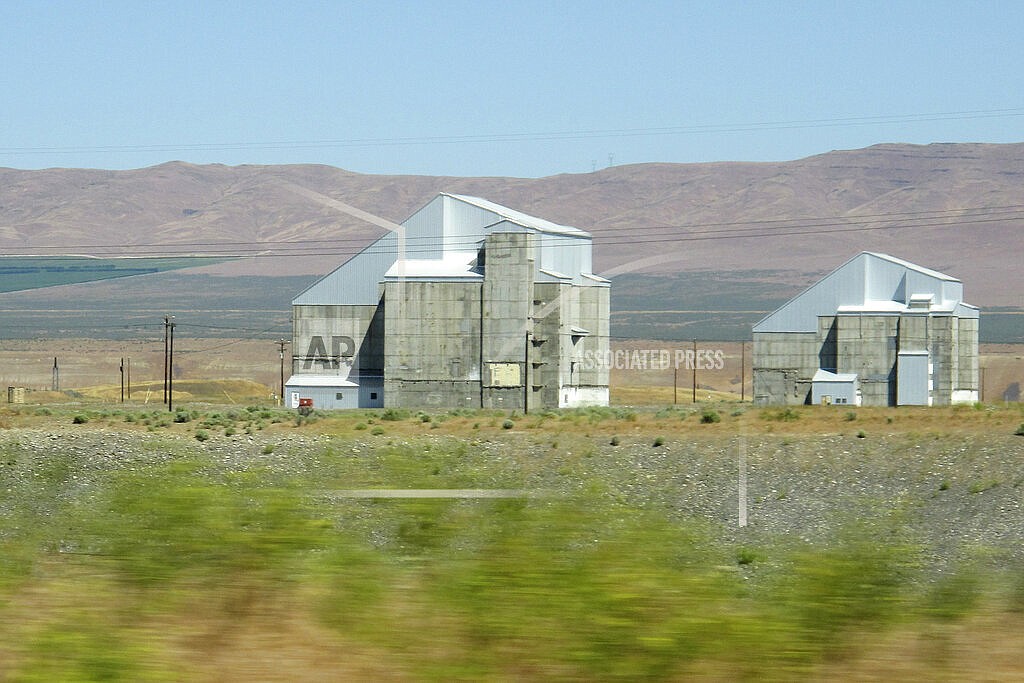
(953, 495)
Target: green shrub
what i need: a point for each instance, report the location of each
(202, 435)
(861, 434)
(268, 449)
(850, 416)
(615, 441)
(360, 426)
(394, 415)
(710, 416)
(377, 431)
(1020, 430)
(983, 485)
(786, 414)
(659, 441)
(80, 419)
(508, 424)
(745, 556)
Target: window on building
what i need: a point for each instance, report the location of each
(338, 396)
(373, 395)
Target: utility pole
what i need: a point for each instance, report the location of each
(743, 371)
(55, 384)
(280, 397)
(129, 378)
(675, 385)
(122, 379)
(170, 372)
(695, 371)
(167, 323)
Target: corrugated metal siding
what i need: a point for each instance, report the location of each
(842, 287)
(835, 390)
(465, 224)
(564, 254)
(355, 282)
(912, 379)
(424, 231)
(368, 394)
(324, 398)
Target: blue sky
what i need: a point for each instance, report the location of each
(498, 88)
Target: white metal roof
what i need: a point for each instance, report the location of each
(319, 381)
(458, 264)
(894, 307)
(523, 219)
(913, 266)
(826, 376)
(873, 307)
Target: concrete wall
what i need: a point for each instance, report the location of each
(868, 345)
(784, 364)
(343, 340)
(967, 382)
(508, 304)
(432, 344)
(548, 342)
(595, 306)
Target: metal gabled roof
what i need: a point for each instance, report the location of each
(435, 241)
(911, 266)
(868, 282)
(518, 217)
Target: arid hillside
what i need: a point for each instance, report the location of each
(952, 207)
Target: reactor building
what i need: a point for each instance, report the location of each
(466, 304)
(877, 331)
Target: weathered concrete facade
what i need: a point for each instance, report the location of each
(499, 316)
(901, 333)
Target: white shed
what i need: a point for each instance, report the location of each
(835, 388)
(329, 392)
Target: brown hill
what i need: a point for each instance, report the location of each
(952, 207)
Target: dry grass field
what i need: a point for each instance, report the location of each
(645, 372)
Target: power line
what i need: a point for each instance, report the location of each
(535, 136)
(415, 245)
(724, 226)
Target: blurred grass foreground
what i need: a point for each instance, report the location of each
(183, 565)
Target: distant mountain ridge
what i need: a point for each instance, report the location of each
(797, 218)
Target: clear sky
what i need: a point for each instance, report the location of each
(488, 87)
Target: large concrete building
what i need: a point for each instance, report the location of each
(467, 304)
(876, 331)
